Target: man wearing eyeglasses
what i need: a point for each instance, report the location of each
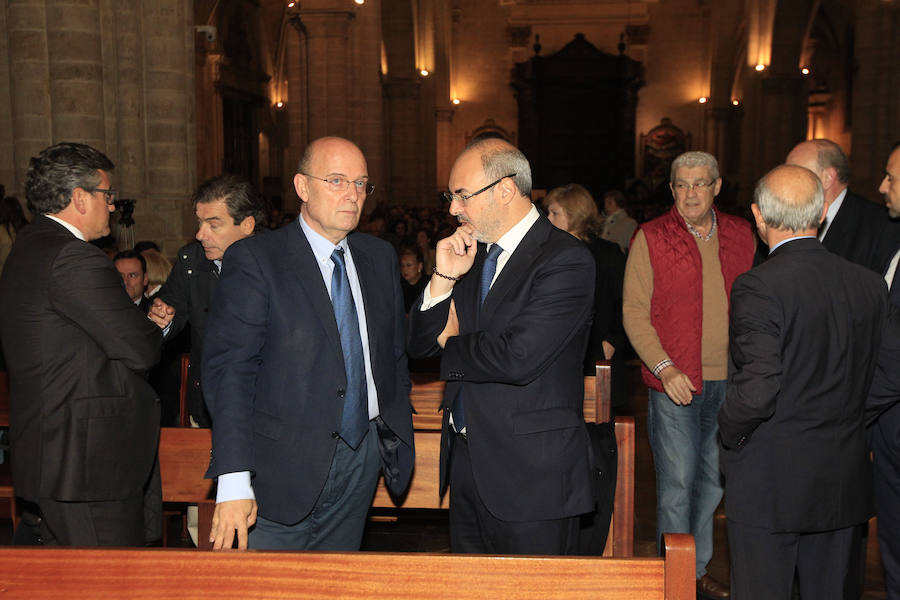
(304, 370)
(84, 423)
(675, 310)
(508, 309)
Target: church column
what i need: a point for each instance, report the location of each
(330, 73)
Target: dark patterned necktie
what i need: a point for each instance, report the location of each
(355, 418)
(895, 287)
(487, 275)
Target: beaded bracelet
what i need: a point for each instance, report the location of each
(435, 271)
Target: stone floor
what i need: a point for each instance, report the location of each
(426, 531)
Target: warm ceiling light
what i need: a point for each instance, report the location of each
(703, 99)
(424, 73)
(455, 101)
(735, 102)
(805, 71)
(360, 2)
(291, 4)
(279, 104)
(760, 67)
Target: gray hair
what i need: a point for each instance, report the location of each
(240, 198)
(830, 155)
(693, 159)
(55, 173)
(795, 214)
(499, 159)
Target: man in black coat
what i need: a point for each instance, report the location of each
(805, 328)
(84, 423)
(228, 209)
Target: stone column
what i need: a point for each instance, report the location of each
(169, 112)
(330, 71)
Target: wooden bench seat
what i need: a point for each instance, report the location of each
(77, 573)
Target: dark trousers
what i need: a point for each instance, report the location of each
(473, 529)
(763, 563)
(55, 523)
(338, 519)
(884, 439)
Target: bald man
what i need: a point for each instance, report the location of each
(854, 228)
(304, 370)
(805, 328)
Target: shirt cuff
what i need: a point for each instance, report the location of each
(428, 301)
(234, 486)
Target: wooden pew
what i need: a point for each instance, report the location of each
(183, 461)
(77, 573)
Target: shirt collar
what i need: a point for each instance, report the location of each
(74, 230)
(510, 240)
(790, 239)
(322, 248)
(835, 206)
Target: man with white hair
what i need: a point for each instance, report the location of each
(806, 326)
(675, 311)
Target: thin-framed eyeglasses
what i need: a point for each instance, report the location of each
(463, 198)
(697, 185)
(338, 184)
(109, 194)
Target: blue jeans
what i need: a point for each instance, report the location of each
(686, 459)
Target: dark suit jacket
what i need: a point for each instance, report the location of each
(273, 369)
(84, 423)
(862, 233)
(805, 330)
(519, 361)
(189, 289)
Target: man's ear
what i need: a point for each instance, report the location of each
(80, 199)
(829, 176)
(508, 190)
(761, 226)
(301, 186)
(248, 225)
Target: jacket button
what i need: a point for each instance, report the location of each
(341, 392)
(335, 434)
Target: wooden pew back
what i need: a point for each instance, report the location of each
(77, 573)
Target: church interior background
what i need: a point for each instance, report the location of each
(599, 92)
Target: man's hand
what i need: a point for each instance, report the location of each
(451, 328)
(677, 385)
(608, 350)
(453, 256)
(161, 313)
(230, 517)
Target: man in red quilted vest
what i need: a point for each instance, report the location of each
(675, 310)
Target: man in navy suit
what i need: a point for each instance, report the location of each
(508, 308)
(304, 370)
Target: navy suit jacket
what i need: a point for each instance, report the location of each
(273, 369)
(862, 233)
(519, 362)
(805, 331)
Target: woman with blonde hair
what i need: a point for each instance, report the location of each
(158, 269)
(571, 208)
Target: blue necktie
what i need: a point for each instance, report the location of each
(355, 418)
(487, 275)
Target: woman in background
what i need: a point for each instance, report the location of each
(571, 208)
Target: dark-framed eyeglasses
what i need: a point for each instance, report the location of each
(110, 194)
(463, 198)
(337, 183)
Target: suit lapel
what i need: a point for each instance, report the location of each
(309, 279)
